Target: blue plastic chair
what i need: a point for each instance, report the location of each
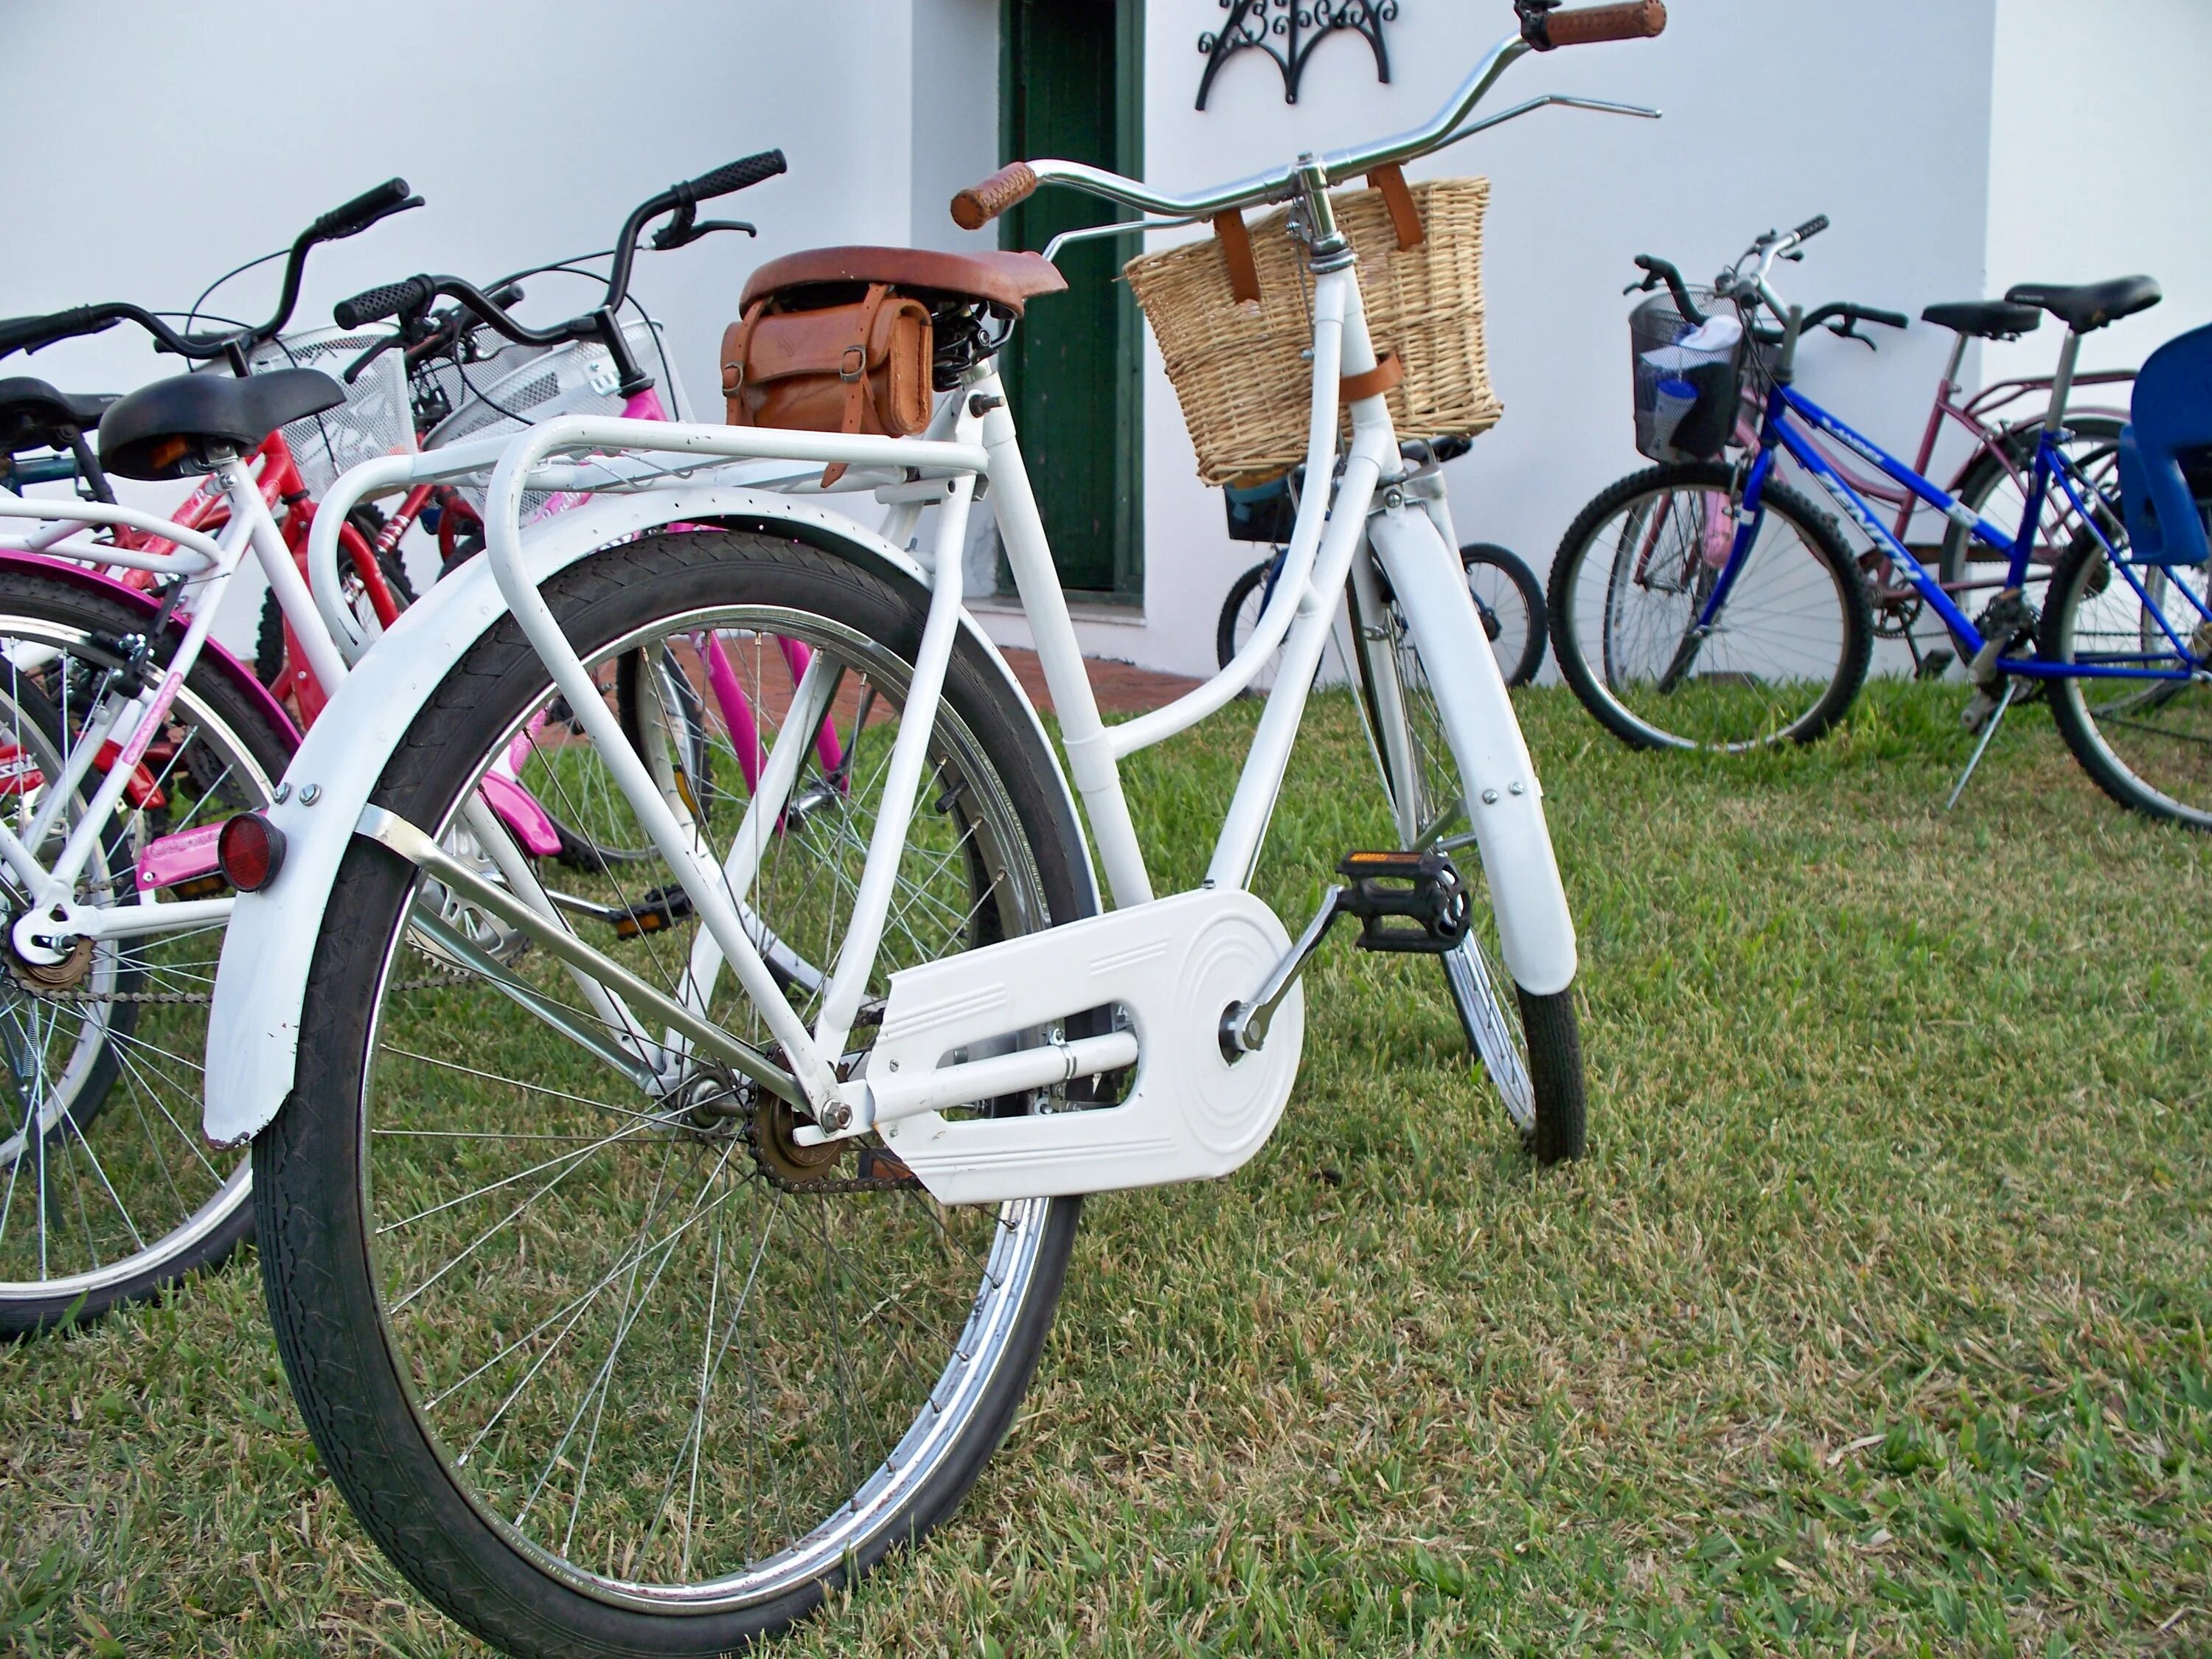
(2171, 419)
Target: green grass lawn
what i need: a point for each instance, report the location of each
(1874, 1323)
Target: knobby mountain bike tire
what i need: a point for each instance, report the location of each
(107, 1194)
(468, 1217)
(1787, 654)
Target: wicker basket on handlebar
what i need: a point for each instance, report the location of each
(1241, 371)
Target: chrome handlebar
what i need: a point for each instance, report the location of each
(1448, 126)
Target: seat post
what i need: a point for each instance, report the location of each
(2062, 382)
(1950, 387)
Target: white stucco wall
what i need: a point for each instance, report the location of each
(2101, 131)
(530, 126)
(1887, 133)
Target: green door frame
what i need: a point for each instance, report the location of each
(1086, 265)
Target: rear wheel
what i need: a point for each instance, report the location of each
(2148, 742)
(108, 1193)
(610, 1364)
(1511, 602)
(1972, 570)
(1783, 658)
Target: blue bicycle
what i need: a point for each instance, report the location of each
(1732, 615)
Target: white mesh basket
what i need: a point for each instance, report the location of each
(376, 418)
(520, 386)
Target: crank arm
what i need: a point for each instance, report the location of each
(1244, 1027)
(393, 832)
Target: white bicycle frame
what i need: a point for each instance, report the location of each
(52, 912)
(627, 465)
(1175, 1123)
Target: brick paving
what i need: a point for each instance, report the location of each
(1120, 688)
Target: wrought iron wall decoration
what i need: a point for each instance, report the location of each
(1288, 31)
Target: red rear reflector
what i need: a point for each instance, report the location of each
(251, 850)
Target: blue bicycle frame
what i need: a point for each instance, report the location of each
(1779, 429)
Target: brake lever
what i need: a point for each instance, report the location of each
(682, 232)
(354, 369)
(1848, 329)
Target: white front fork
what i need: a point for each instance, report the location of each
(1504, 800)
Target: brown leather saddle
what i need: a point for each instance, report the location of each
(1007, 281)
(859, 339)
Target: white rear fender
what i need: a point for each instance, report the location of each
(253, 1031)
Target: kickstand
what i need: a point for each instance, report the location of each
(1989, 730)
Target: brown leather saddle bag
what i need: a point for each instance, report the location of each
(860, 368)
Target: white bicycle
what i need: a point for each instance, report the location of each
(651, 1255)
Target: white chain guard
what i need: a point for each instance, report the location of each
(1175, 965)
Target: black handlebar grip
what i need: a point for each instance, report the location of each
(736, 176)
(1811, 227)
(364, 210)
(378, 303)
(18, 332)
(1887, 318)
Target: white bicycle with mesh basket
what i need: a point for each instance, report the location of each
(640, 1285)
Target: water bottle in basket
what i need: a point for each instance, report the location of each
(1689, 378)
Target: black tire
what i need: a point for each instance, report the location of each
(1519, 640)
(1534, 1065)
(1230, 629)
(342, 1347)
(1555, 1061)
(206, 1212)
(1513, 580)
(2146, 744)
(1753, 717)
(269, 635)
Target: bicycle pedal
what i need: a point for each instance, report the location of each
(1932, 665)
(1405, 901)
(661, 908)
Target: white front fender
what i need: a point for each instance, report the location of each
(253, 1028)
(1535, 932)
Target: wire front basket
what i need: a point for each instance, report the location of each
(519, 385)
(1688, 393)
(376, 418)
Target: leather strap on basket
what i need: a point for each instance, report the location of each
(733, 366)
(1237, 253)
(1388, 370)
(856, 378)
(1405, 216)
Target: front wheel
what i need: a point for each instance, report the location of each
(1528, 1046)
(605, 1359)
(1781, 660)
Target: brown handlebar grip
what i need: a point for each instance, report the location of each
(977, 205)
(1640, 20)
